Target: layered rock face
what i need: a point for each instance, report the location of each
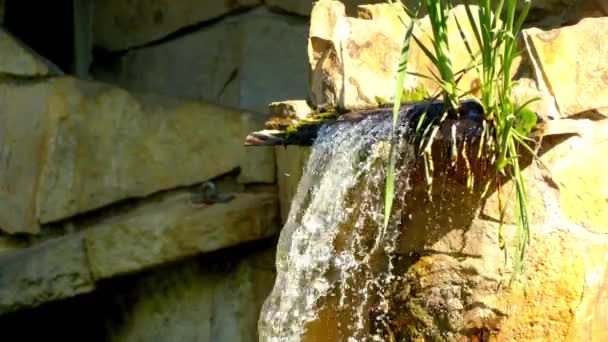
(453, 281)
(99, 184)
(107, 228)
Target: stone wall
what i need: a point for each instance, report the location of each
(106, 205)
(101, 180)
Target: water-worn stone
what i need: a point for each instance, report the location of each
(162, 232)
(575, 165)
(450, 279)
(543, 12)
(578, 87)
(119, 25)
(20, 61)
(234, 62)
(200, 300)
(83, 145)
(53, 270)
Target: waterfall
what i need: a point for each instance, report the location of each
(329, 250)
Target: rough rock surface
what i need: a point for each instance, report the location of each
(222, 63)
(578, 87)
(119, 25)
(196, 301)
(353, 61)
(83, 145)
(51, 271)
(20, 61)
(159, 233)
(451, 281)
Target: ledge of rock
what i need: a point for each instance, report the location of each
(164, 232)
(18, 60)
(153, 234)
(50, 271)
(83, 145)
(120, 25)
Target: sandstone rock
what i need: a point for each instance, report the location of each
(291, 161)
(450, 279)
(196, 301)
(543, 12)
(575, 165)
(119, 25)
(304, 7)
(162, 232)
(20, 61)
(83, 145)
(24, 141)
(54, 270)
(245, 61)
(591, 317)
(353, 61)
(570, 64)
(297, 109)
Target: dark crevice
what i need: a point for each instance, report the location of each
(44, 26)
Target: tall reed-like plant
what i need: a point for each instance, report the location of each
(507, 126)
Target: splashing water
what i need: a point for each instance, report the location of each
(331, 262)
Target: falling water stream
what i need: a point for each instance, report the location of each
(333, 258)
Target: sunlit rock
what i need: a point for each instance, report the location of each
(354, 60)
(570, 63)
(438, 272)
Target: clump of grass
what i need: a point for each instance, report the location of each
(506, 126)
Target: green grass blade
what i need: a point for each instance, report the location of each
(389, 191)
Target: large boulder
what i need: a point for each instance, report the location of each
(578, 87)
(119, 25)
(51, 271)
(83, 145)
(353, 61)
(243, 61)
(451, 281)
